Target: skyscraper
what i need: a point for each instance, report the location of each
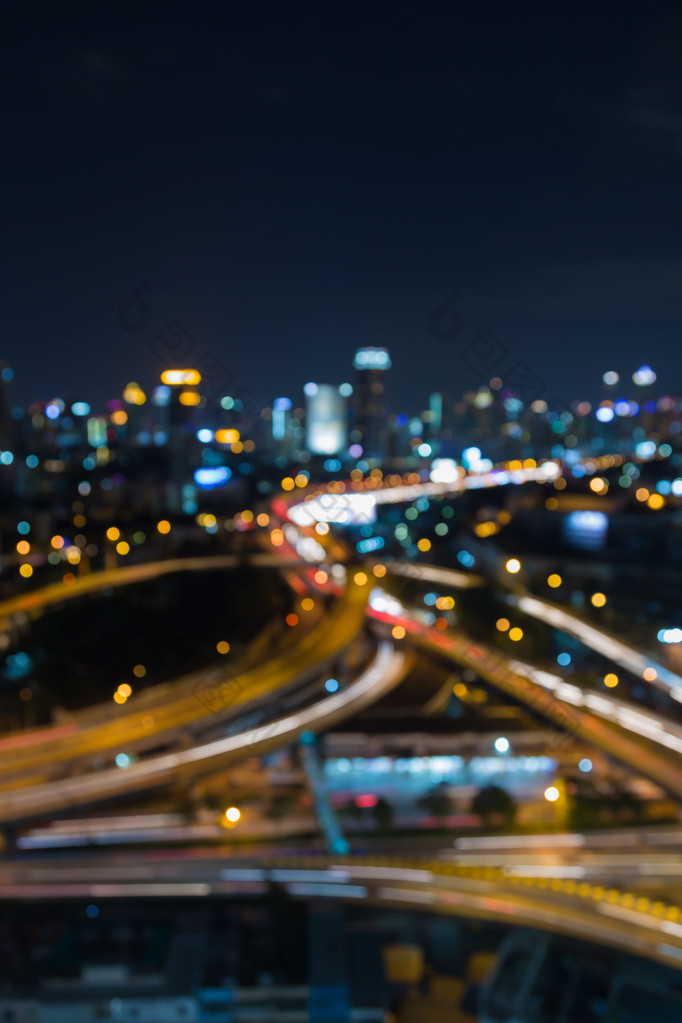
(6, 428)
(370, 411)
(326, 419)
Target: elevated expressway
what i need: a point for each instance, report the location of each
(621, 919)
(635, 737)
(27, 785)
(538, 894)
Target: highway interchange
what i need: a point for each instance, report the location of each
(574, 883)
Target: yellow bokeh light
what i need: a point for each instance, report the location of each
(322, 528)
(301, 480)
(223, 647)
(57, 542)
(23, 547)
(513, 565)
(551, 504)
(398, 632)
(483, 529)
(560, 483)
(516, 634)
(174, 377)
(227, 436)
(321, 576)
(73, 555)
(139, 671)
(460, 690)
(79, 521)
(125, 689)
(424, 544)
(233, 814)
(123, 547)
(598, 599)
(163, 526)
(189, 398)
(642, 494)
(134, 394)
(649, 674)
(119, 697)
(554, 580)
(502, 624)
(610, 680)
(263, 519)
(307, 603)
(360, 579)
(277, 538)
(288, 483)
(119, 418)
(379, 571)
(655, 502)
(26, 571)
(113, 533)
(551, 794)
(598, 485)
(445, 603)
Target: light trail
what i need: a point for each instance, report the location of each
(633, 719)
(596, 639)
(381, 676)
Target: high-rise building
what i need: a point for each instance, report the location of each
(435, 417)
(370, 410)
(184, 396)
(182, 402)
(281, 443)
(6, 425)
(326, 418)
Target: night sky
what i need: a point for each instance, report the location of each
(293, 181)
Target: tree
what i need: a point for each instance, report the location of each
(436, 803)
(611, 802)
(383, 813)
(494, 806)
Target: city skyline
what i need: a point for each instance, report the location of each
(523, 379)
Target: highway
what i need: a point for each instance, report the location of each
(599, 640)
(34, 758)
(619, 918)
(48, 798)
(633, 857)
(341, 503)
(570, 884)
(155, 716)
(600, 720)
(596, 638)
